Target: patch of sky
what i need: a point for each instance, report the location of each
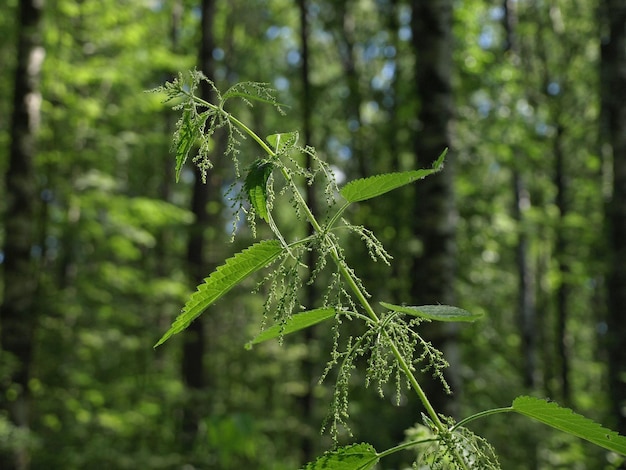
(385, 76)
(272, 32)
(293, 57)
(404, 33)
(482, 103)
(281, 83)
(342, 151)
(496, 13)
(487, 37)
(554, 88)
(404, 14)
(371, 51)
(218, 53)
(389, 52)
(340, 176)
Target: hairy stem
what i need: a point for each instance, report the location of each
(344, 269)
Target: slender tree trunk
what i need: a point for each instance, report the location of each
(194, 342)
(526, 297)
(307, 400)
(18, 312)
(434, 217)
(353, 103)
(613, 76)
(563, 291)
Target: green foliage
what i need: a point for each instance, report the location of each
(223, 279)
(296, 323)
(390, 343)
(353, 457)
(373, 186)
(566, 420)
(435, 312)
(256, 187)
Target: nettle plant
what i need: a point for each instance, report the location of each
(390, 342)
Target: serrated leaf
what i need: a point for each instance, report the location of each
(438, 164)
(368, 188)
(566, 420)
(251, 91)
(256, 186)
(297, 322)
(435, 312)
(282, 142)
(223, 279)
(354, 457)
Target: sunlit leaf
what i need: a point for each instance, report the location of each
(354, 457)
(368, 188)
(282, 142)
(223, 279)
(297, 322)
(566, 420)
(435, 312)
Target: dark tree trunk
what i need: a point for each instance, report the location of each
(194, 342)
(613, 73)
(18, 312)
(526, 297)
(563, 291)
(307, 400)
(434, 215)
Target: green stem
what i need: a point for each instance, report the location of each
(344, 270)
(404, 446)
(482, 414)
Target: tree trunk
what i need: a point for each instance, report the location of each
(307, 400)
(194, 342)
(434, 215)
(560, 250)
(613, 77)
(18, 312)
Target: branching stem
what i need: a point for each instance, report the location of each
(345, 271)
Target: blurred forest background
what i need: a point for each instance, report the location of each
(100, 247)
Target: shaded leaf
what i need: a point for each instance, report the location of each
(435, 312)
(297, 322)
(256, 186)
(223, 279)
(368, 188)
(355, 457)
(185, 138)
(566, 420)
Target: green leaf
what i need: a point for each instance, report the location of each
(185, 139)
(368, 188)
(435, 312)
(567, 421)
(282, 142)
(354, 457)
(297, 322)
(438, 164)
(223, 279)
(256, 186)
